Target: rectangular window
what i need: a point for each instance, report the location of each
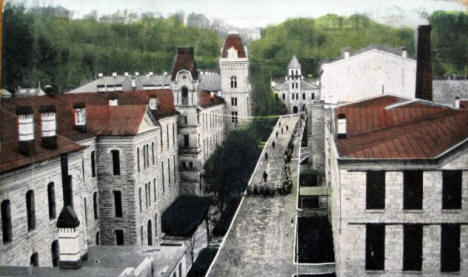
(234, 117)
(31, 210)
(152, 152)
(162, 172)
(303, 96)
(85, 210)
(173, 134)
(119, 237)
(95, 206)
(375, 246)
(6, 221)
(116, 162)
(234, 101)
(51, 198)
(186, 141)
(375, 190)
(185, 120)
(169, 171)
(167, 136)
(451, 189)
(138, 159)
(412, 190)
(412, 246)
(118, 203)
(313, 96)
(174, 168)
(154, 189)
(93, 164)
(139, 199)
(450, 248)
(284, 96)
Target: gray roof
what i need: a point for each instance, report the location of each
(294, 63)
(395, 51)
(209, 81)
(305, 85)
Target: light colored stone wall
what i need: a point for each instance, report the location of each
(368, 74)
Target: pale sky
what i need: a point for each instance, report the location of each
(259, 13)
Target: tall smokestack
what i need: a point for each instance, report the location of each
(424, 68)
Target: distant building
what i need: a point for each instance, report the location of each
(369, 72)
(295, 91)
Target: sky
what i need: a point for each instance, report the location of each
(260, 13)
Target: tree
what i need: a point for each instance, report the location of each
(17, 46)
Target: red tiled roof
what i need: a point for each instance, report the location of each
(206, 101)
(412, 130)
(184, 60)
(464, 104)
(236, 42)
(102, 120)
(115, 120)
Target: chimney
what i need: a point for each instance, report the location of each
(69, 239)
(48, 127)
(456, 104)
(424, 68)
(113, 100)
(133, 83)
(404, 52)
(345, 52)
(212, 96)
(342, 130)
(26, 130)
(153, 103)
(80, 117)
(185, 50)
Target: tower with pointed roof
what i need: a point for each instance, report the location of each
(235, 84)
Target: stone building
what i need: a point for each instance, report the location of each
(371, 71)
(295, 91)
(398, 173)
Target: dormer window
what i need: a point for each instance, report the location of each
(233, 82)
(80, 116)
(341, 126)
(153, 103)
(113, 102)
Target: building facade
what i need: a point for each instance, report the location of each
(399, 185)
(371, 71)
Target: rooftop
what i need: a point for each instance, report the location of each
(260, 241)
(233, 40)
(390, 127)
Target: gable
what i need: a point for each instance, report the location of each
(146, 124)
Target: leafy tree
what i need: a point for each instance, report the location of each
(17, 46)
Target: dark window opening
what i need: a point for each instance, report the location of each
(30, 209)
(233, 82)
(85, 211)
(375, 192)
(150, 233)
(412, 247)
(184, 96)
(97, 238)
(139, 199)
(116, 162)
(138, 159)
(6, 221)
(118, 203)
(34, 260)
(154, 189)
(119, 237)
(451, 189)
(51, 198)
(450, 248)
(93, 164)
(55, 253)
(412, 190)
(162, 172)
(95, 205)
(303, 96)
(375, 246)
(152, 152)
(186, 141)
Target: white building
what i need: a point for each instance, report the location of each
(372, 71)
(295, 91)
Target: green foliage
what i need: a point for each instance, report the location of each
(313, 40)
(449, 42)
(41, 47)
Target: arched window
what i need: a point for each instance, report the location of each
(184, 96)
(93, 163)
(233, 82)
(150, 233)
(34, 260)
(51, 198)
(55, 253)
(116, 162)
(95, 205)
(30, 210)
(6, 221)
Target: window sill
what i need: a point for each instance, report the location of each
(451, 211)
(416, 272)
(375, 211)
(413, 211)
(374, 271)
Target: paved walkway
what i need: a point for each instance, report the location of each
(260, 241)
